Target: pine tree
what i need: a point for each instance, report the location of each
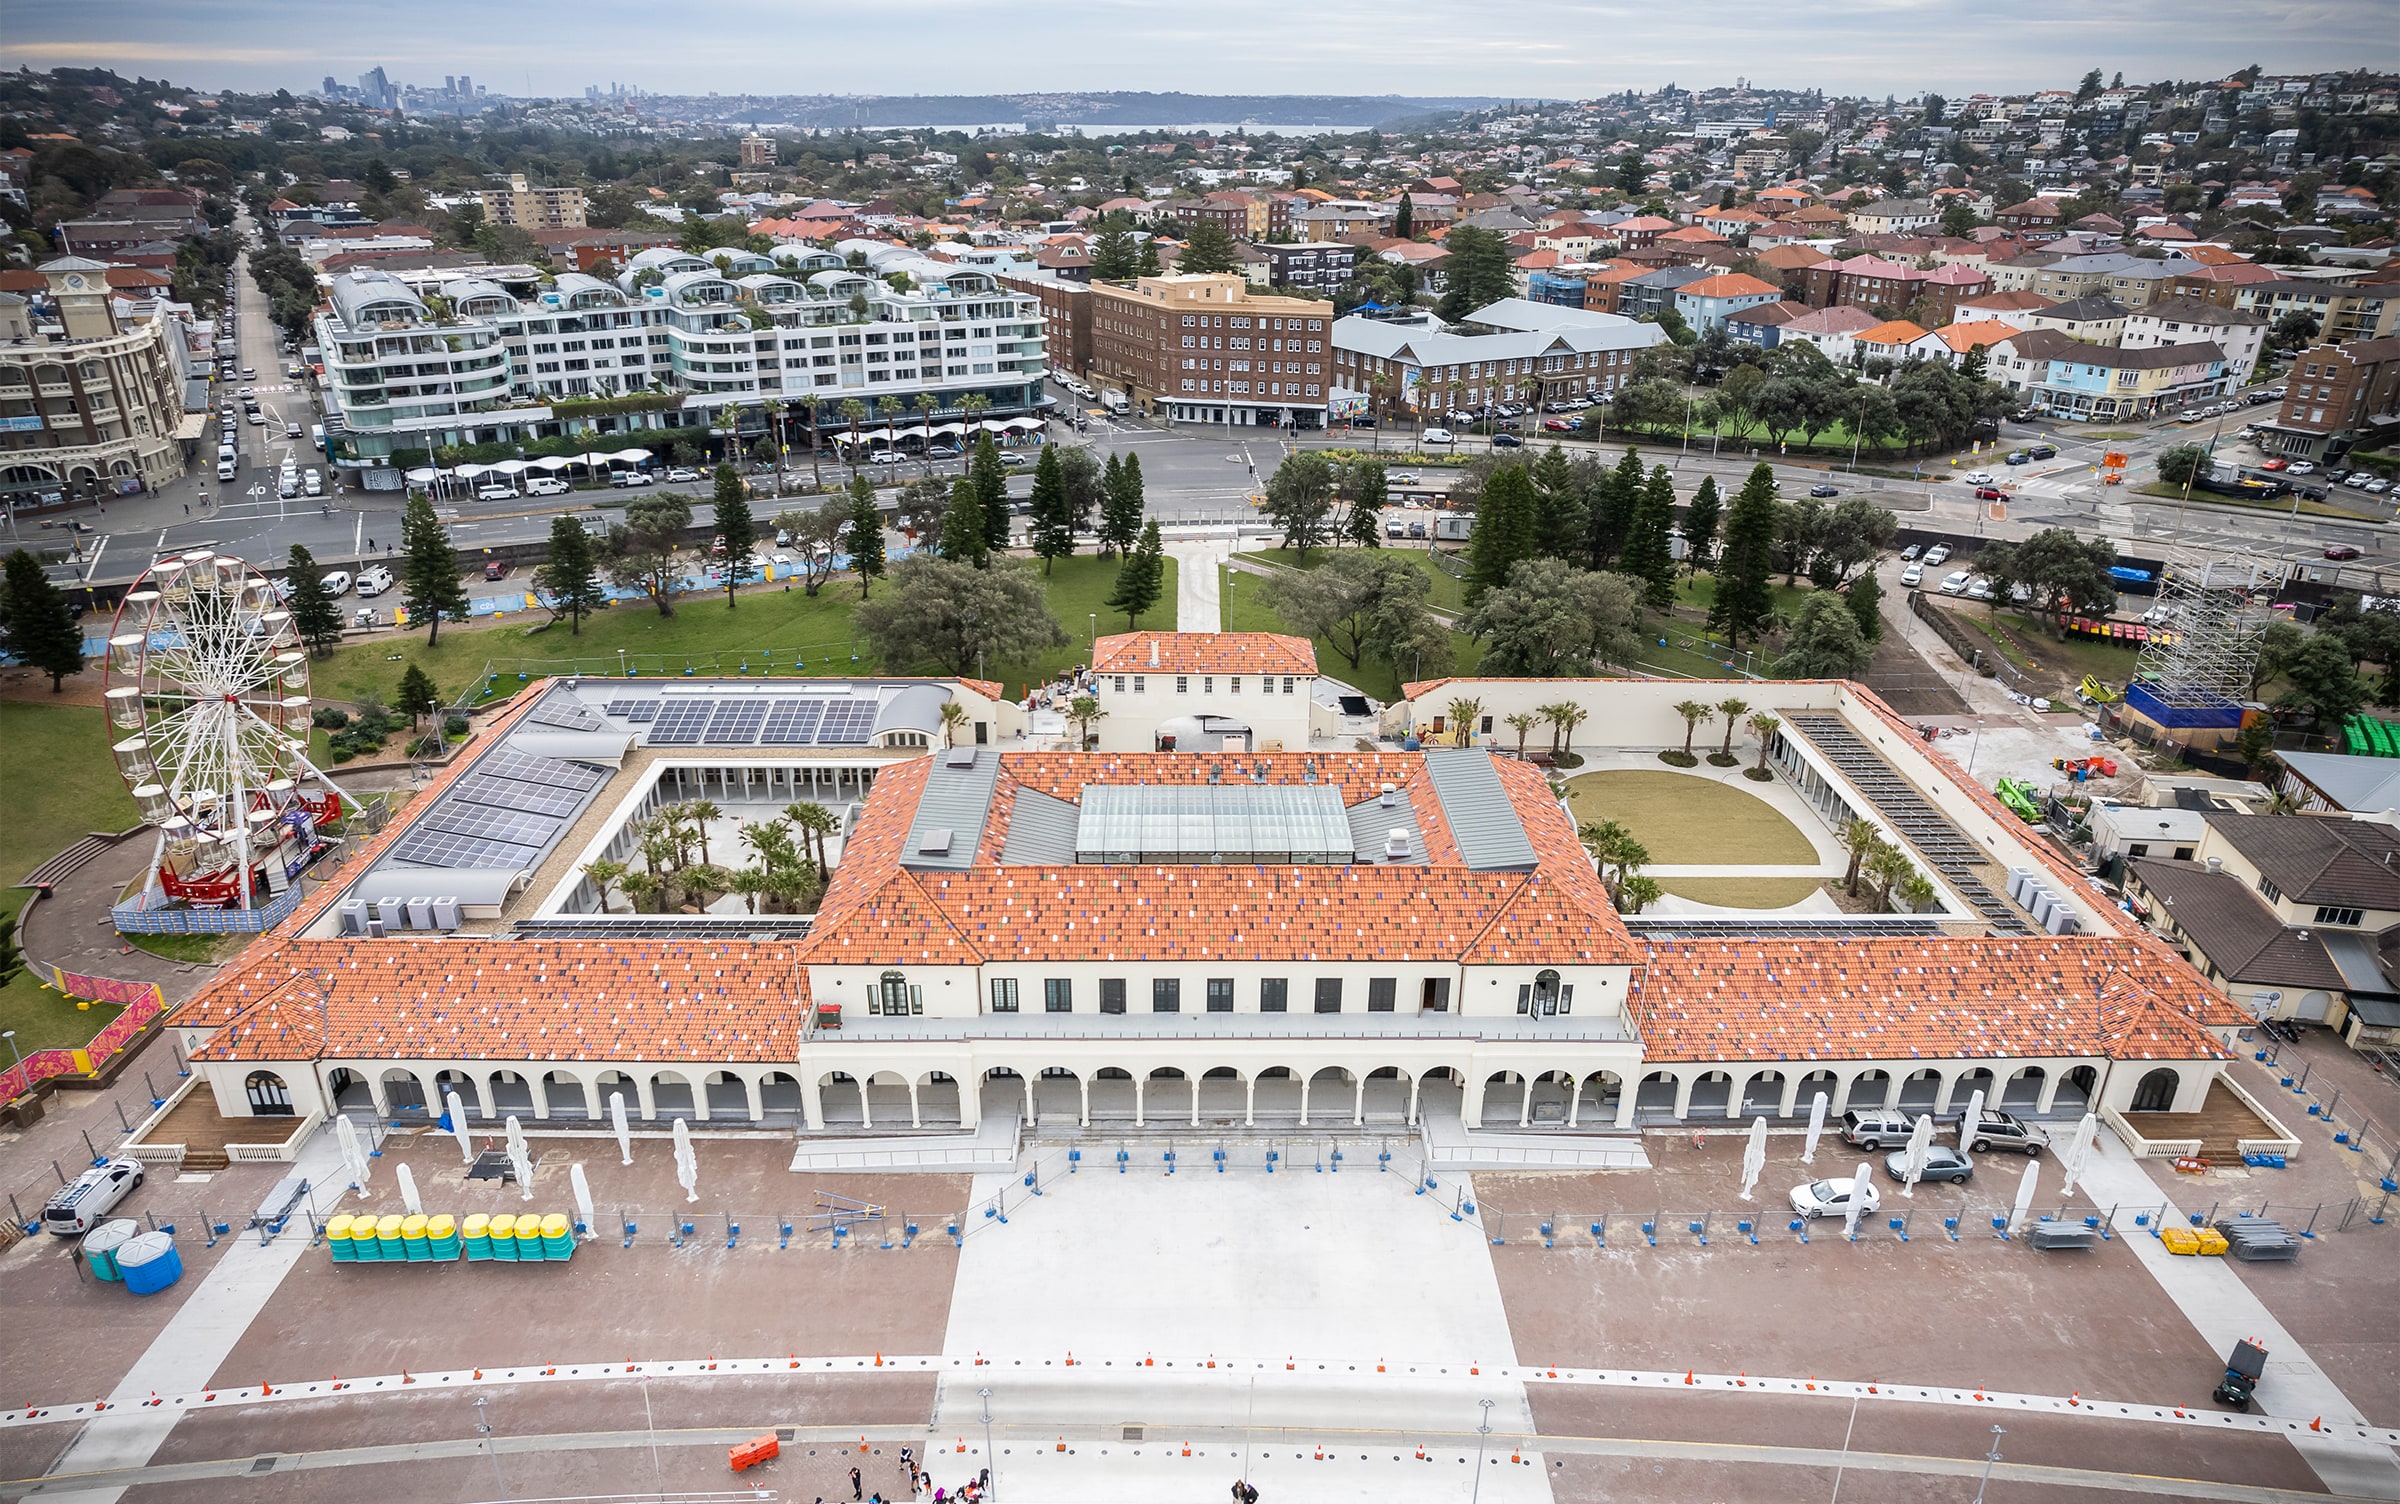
(864, 539)
(1142, 578)
(1121, 508)
(1559, 520)
(1744, 598)
(1700, 519)
(1865, 597)
(1620, 491)
(314, 615)
(1404, 219)
(991, 493)
(417, 694)
(429, 583)
(962, 540)
(571, 574)
(41, 629)
(1053, 528)
(1207, 249)
(1504, 530)
(1364, 525)
(1145, 257)
(736, 527)
(1649, 553)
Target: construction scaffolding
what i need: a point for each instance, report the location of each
(2196, 664)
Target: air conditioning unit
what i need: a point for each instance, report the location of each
(445, 913)
(392, 913)
(420, 913)
(1396, 846)
(2018, 878)
(354, 916)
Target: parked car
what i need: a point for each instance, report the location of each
(2005, 1130)
(682, 473)
(1395, 528)
(1909, 554)
(496, 493)
(1941, 1163)
(2018, 457)
(1937, 554)
(2341, 551)
(1014, 459)
(2303, 467)
(1913, 576)
(627, 478)
(2277, 463)
(1955, 583)
(1979, 588)
(373, 581)
(496, 569)
(1824, 491)
(2378, 486)
(1507, 441)
(2357, 480)
(942, 452)
(1831, 1198)
(1416, 527)
(1876, 1128)
(546, 485)
(337, 581)
(1979, 478)
(77, 1207)
(1437, 436)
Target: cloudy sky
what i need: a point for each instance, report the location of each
(1553, 48)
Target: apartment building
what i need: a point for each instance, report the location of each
(2066, 378)
(1574, 355)
(96, 410)
(758, 151)
(1317, 266)
(2242, 335)
(532, 208)
(2332, 396)
(2133, 281)
(1244, 216)
(1207, 348)
(2344, 311)
(1066, 304)
(801, 332)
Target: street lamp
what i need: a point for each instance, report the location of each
(1481, 1432)
(483, 1428)
(11, 1036)
(992, 1490)
(1989, 1458)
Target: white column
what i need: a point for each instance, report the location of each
(1304, 1101)
(758, 1110)
(812, 1104)
(1195, 1101)
(1084, 1086)
(700, 1096)
(591, 1094)
(1249, 1101)
(916, 1118)
(1029, 1111)
(1416, 1083)
(647, 1094)
(1358, 1103)
(1139, 1083)
(540, 1091)
(970, 1104)
(866, 1109)
(1471, 1107)
(1525, 1102)
(1791, 1093)
(1574, 1101)
(2050, 1079)
(1683, 1095)
(1625, 1103)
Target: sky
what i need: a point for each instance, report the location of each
(1542, 48)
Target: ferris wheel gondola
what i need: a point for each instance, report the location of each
(207, 699)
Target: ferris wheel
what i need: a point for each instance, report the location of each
(207, 696)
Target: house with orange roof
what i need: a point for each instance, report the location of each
(1981, 334)
(1896, 340)
(1709, 302)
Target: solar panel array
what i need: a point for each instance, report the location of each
(507, 793)
(441, 848)
(568, 714)
(639, 712)
(743, 722)
(550, 772)
(464, 819)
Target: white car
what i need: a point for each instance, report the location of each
(1937, 554)
(257, 419)
(1438, 436)
(373, 582)
(1913, 576)
(1956, 583)
(495, 493)
(2302, 467)
(1980, 478)
(337, 581)
(1979, 588)
(1405, 478)
(879, 457)
(683, 473)
(312, 482)
(546, 485)
(1831, 1198)
(628, 478)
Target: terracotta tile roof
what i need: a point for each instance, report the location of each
(1203, 653)
(1731, 285)
(1894, 332)
(480, 998)
(1975, 335)
(1934, 998)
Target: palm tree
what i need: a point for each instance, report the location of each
(1522, 723)
(1570, 716)
(1763, 726)
(1380, 387)
(1638, 893)
(1463, 714)
(1556, 716)
(853, 410)
(954, 715)
(1693, 713)
(1916, 890)
(748, 884)
(1888, 865)
(926, 403)
(1858, 837)
(971, 409)
(607, 876)
(1732, 710)
(1085, 711)
(643, 887)
(1614, 846)
(816, 471)
(816, 822)
(889, 408)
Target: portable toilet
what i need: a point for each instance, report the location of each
(149, 1263)
(100, 1246)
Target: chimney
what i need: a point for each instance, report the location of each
(1395, 845)
(1154, 652)
(1390, 795)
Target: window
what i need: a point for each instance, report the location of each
(1166, 995)
(1058, 995)
(1287, 685)
(1329, 994)
(1004, 994)
(1112, 994)
(1273, 993)
(1141, 684)
(2267, 887)
(894, 996)
(1382, 994)
(2352, 917)
(1435, 998)
(1183, 683)
(1233, 685)
(1220, 994)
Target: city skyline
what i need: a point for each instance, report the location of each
(1552, 48)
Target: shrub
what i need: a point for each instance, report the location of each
(1678, 758)
(455, 725)
(1723, 760)
(327, 718)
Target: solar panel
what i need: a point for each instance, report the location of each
(549, 772)
(735, 723)
(499, 824)
(572, 715)
(507, 793)
(639, 712)
(792, 722)
(846, 722)
(438, 848)
(681, 723)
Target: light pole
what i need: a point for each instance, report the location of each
(1841, 1466)
(1481, 1432)
(985, 1395)
(11, 1036)
(483, 1428)
(1989, 1458)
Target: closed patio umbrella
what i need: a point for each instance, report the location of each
(687, 1164)
(520, 1156)
(2025, 1193)
(458, 1125)
(354, 1155)
(2078, 1157)
(408, 1192)
(1860, 1187)
(1816, 1128)
(1754, 1156)
(616, 1116)
(583, 1197)
(1920, 1142)
(1970, 1125)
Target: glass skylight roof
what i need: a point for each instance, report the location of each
(1213, 823)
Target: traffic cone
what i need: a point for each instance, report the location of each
(1070, 1359)
(1212, 1360)
(862, 1443)
(795, 1360)
(1687, 1375)
(406, 1377)
(1062, 1443)
(1471, 1368)
(2076, 1398)
(1379, 1365)
(1149, 1361)
(1288, 1365)
(962, 1446)
(1187, 1449)
(878, 1361)
(2318, 1424)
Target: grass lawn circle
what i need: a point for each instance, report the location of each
(1687, 821)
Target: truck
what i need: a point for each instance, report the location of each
(1115, 402)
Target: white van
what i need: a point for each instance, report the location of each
(495, 493)
(316, 436)
(79, 1206)
(546, 485)
(227, 452)
(226, 470)
(337, 581)
(373, 581)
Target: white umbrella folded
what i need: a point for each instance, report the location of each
(458, 1125)
(2078, 1157)
(1754, 1156)
(616, 1116)
(1920, 1143)
(1970, 1125)
(1816, 1128)
(687, 1164)
(1861, 1186)
(2025, 1192)
(408, 1192)
(520, 1156)
(354, 1157)
(583, 1195)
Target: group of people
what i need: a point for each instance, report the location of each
(922, 1486)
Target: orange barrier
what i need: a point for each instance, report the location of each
(751, 1453)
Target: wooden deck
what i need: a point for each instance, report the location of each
(196, 1124)
(2220, 1125)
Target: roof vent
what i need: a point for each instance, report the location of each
(935, 842)
(1390, 795)
(1395, 846)
(959, 757)
(2216, 864)
(1154, 652)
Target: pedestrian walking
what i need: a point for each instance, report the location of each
(854, 1485)
(187, 509)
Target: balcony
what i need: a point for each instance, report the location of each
(1219, 1028)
